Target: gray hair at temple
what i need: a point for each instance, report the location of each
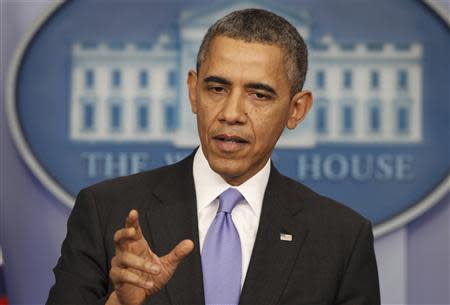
(257, 25)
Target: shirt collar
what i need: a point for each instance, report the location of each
(209, 185)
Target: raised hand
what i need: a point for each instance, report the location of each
(136, 272)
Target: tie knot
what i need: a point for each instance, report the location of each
(228, 200)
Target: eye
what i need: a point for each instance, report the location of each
(261, 96)
(216, 89)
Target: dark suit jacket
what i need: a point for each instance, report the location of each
(329, 261)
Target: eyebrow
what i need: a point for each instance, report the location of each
(261, 86)
(217, 79)
(256, 86)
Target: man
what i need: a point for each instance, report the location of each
(277, 242)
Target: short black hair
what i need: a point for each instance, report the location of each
(258, 25)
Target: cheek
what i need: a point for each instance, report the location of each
(267, 129)
(205, 119)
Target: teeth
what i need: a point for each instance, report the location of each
(230, 140)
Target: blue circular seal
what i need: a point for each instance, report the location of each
(98, 90)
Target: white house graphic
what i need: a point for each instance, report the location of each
(136, 92)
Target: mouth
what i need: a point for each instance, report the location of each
(230, 138)
(229, 143)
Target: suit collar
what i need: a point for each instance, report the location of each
(172, 218)
(209, 185)
(272, 258)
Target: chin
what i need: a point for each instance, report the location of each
(227, 169)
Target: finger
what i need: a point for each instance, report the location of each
(180, 252)
(120, 276)
(123, 235)
(132, 221)
(129, 260)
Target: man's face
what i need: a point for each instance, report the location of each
(241, 96)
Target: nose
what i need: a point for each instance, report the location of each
(233, 110)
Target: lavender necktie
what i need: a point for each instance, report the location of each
(221, 254)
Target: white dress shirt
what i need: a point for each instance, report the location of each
(209, 185)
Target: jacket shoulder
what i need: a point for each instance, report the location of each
(139, 181)
(121, 194)
(326, 209)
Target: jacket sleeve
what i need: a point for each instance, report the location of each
(81, 274)
(359, 285)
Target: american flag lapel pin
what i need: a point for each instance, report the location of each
(285, 237)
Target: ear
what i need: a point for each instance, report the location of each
(300, 105)
(192, 89)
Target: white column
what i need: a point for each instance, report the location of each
(102, 113)
(333, 86)
(388, 88)
(158, 83)
(76, 116)
(415, 92)
(148, 93)
(129, 89)
(360, 108)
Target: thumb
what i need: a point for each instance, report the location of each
(179, 252)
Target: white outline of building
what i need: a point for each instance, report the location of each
(380, 102)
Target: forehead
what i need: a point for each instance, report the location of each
(250, 61)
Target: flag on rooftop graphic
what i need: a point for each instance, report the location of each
(3, 298)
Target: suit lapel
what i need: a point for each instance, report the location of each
(272, 258)
(172, 218)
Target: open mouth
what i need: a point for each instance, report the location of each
(227, 139)
(229, 143)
